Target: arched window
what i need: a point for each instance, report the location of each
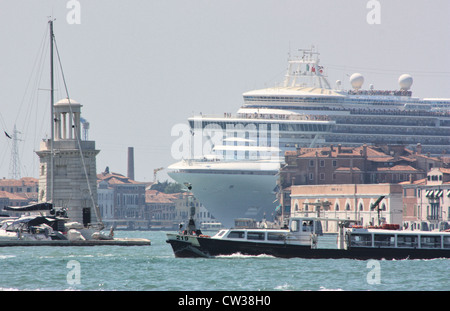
(361, 207)
(347, 207)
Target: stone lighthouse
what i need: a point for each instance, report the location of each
(69, 178)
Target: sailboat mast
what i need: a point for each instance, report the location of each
(52, 99)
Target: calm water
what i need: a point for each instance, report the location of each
(149, 268)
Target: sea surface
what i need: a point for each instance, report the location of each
(154, 268)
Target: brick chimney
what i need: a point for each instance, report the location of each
(130, 173)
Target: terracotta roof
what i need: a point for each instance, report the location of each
(154, 196)
(290, 153)
(24, 181)
(374, 153)
(11, 196)
(115, 179)
(444, 170)
(422, 181)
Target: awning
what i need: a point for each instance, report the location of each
(34, 221)
(30, 208)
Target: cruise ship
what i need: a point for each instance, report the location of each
(235, 158)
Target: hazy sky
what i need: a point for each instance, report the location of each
(140, 67)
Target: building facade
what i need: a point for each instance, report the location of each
(426, 202)
(355, 165)
(169, 210)
(349, 201)
(121, 200)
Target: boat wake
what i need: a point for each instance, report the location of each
(240, 255)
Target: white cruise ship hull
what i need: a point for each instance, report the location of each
(230, 190)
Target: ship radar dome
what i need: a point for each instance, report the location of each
(405, 81)
(356, 80)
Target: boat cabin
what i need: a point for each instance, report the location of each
(299, 229)
(254, 235)
(305, 224)
(375, 238)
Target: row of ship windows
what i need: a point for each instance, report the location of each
(286, 99)
(393, 130)
(406, 139)
(251, 127)
(360, 111)
(386, 121)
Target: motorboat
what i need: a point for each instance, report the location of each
(300, 240)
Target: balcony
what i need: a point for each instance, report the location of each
(434, 218)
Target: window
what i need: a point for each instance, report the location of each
(294, 226)
(322, 176)
(275, 236)
(361, 240)
(311, 163)
(407, 241)
(251, 235)
(430, 241)
(384, 240)
(236, 235)
(311, 176)
(334, 163)
(221, 232)
(347, 207)
(447, 242)
(322, 163)
(61, 170)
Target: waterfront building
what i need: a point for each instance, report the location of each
(351, 165)
(363, 165)
(426, 202)
(160, 209)
(168, 210)
(121, 200)
(349, 201)
(24, 185)
(18, 192)
(68, 177)
(12, 199)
